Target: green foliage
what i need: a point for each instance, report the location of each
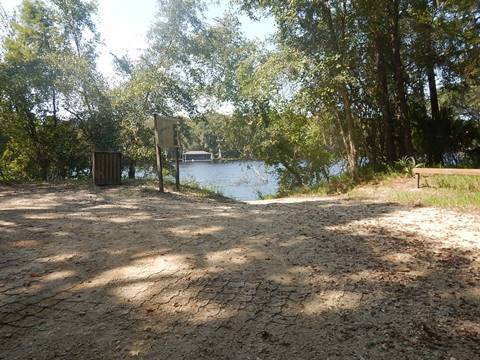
(163, 82)
(67, 151)
(213, 132)
(15, 163)
(202, 191)
(445, 135)
(64, 154)
(340, 51)
(135, 122)
(292, 144)
(344, 182)
(340, 82)
(406, 164)
(53, 103)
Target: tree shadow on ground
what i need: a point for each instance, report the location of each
(116, 274)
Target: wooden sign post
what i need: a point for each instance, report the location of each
(158, 151)
(166, 136)
(177, 161)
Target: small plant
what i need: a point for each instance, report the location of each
(262, 196)
(406, 164)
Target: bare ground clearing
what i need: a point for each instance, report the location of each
(129, 273)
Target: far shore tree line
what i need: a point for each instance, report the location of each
(365, 83)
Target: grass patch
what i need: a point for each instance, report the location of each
(344, 183)
(266, 196)
(396, 184)
(446, 198)
(455, 182)
(192, 187)
(150, 186)
(444, 191)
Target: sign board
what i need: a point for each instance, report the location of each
(166, 136)
(166, 131)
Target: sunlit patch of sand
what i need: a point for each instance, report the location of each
(472, 293)
(28, 206)
(292, 241)
(462, 232)
(363, 275)
(333, 300)
(44, 216)
(141, 270)
(288, 200)
(112, 218)
(111, 206)
(6, 223)
(399, 258)
(58, 275)
(468, 328)
(129, 218)
(135, 292)
(150, 254)
(403, 261)
(61, 233)
(189, 231)
(45, 202)
(235, 256)
(59, 258)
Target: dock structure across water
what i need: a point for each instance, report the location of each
(193, 156)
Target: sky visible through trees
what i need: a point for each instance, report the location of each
(124, 24)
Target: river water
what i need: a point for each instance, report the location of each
(241, 180)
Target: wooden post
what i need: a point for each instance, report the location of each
(92, 172)
(177, 170)
(418, 181)
(158, 151)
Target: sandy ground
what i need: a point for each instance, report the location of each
(127, 273)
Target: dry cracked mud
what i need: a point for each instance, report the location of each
(128, 273)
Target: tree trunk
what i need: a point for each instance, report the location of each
(437, 157)
(42, 159)
(384, 99)
(43, 168)
(430, 60)
(432, 86)
(342, 90)
(406, 131)
(351, 148)
(54, 103)
(296, 175)
(131, 170)
(430, 63)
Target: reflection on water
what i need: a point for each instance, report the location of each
(241, 180)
